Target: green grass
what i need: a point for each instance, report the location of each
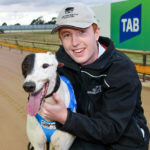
(31, 36)
(51, 38)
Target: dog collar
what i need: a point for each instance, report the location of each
(56, 86)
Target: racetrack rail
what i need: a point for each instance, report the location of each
(140, 68)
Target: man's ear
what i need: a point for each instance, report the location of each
(59, 37)
(97, 33)
(60, 64)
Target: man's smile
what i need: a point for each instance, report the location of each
(78, 51)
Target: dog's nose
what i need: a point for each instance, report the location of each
(29, 86)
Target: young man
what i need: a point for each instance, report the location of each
(107, 88)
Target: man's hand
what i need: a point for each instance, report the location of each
(56, 112)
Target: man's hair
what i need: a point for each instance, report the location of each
(95, 27)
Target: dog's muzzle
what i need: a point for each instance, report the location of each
(29, 86)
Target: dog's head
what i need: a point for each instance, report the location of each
(39, 71)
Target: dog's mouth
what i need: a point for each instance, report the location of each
(35, 100)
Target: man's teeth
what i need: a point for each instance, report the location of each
(78, 51)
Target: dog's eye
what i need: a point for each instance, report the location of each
(45, 66)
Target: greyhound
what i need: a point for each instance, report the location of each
(41, 80)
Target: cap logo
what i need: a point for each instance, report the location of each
(69, 10)
(69, 13)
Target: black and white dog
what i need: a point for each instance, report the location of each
(41, 80)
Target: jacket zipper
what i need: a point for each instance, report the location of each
(88, 101)
(89, 108)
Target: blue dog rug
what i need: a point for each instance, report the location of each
(49, 127)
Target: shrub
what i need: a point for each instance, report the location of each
(1, 30)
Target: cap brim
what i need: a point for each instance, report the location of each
(72, 25)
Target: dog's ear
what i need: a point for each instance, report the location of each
(28, 64)
(60, 64)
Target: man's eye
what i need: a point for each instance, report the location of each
(45, 66)
(66, 35)
(82, 31)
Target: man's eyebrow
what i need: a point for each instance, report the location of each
(63, 32)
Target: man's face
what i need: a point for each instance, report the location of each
(80, 44)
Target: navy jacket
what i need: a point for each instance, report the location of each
(108, 94)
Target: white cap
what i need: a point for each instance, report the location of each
(75, 15)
